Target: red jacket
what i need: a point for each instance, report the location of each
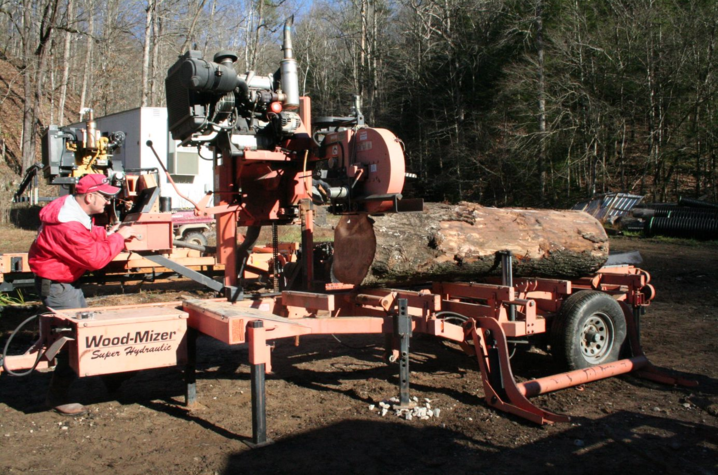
(65, 248)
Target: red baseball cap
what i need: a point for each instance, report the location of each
(95, 183)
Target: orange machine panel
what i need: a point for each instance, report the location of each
(153, 231)
(116, 339)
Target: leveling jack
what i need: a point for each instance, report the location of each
(260, 363)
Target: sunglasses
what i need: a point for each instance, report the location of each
(104, 197)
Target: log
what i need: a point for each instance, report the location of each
(461, 243)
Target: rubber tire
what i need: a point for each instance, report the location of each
(577, 314)
(195, 237)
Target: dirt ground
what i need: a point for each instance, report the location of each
(319, 397)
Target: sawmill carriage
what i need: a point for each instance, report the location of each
(273, 164)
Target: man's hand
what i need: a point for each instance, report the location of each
(126, 232)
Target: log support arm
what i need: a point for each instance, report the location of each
(503, 393)
(500, 388)
(648, 371)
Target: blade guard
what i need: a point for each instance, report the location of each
(380, 156)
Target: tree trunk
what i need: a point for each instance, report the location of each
(462, 242)
(257, 36)
(541, 102)
(212, 11)
(86, 94)
(150, 10)
(155, 80)
(28, 112)
(70, 13)
(187, 44)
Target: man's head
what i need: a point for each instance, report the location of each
(94, 192)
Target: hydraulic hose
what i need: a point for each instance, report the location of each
(452, 315)
(189, 245)
(449, 315)
(7, 345)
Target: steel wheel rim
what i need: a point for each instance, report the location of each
(597, 338)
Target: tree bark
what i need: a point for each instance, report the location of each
(462, 242)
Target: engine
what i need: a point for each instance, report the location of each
(207, 99)
(269, 154)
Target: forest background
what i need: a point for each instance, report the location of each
(503, 102)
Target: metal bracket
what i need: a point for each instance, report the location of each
(507, 278)
(56, 347)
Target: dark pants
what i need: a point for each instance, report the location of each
(60, 296)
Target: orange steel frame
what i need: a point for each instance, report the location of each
(488, 328)
(485, 334)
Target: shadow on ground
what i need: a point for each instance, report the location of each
(619, 443)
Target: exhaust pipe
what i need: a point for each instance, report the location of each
(290, 77)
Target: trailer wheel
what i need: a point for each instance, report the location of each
(195, 237)
(590, 329)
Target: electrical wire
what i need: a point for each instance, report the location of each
(199, 154)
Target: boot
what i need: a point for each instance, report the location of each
(58, 393)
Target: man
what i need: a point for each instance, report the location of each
(67, 245)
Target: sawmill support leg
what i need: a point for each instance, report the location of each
(306, 213)
(259, 396)
(402, 328)
(190, 372)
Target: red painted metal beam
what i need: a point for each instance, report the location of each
(580, 376)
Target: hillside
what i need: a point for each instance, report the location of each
(11, 115)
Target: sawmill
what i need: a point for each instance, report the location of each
(488, 279)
